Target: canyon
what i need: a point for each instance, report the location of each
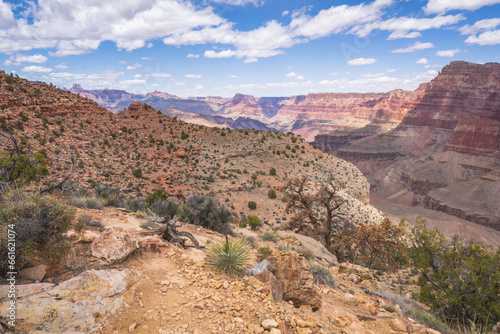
(436, 148)
(445, 153)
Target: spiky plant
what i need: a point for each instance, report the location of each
(322, 275)
(229, 255)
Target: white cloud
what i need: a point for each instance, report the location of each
(285, 13)
(147, 58)
(415, 47)
(159, 75)
(404, 34)
(486, 38)
(291, 75)
(422, 61)
(61, 66)
(299, 77)
(122, 62)
(6, 16)
(391, 70)
(402, 25)
(199, 87)
(193, 76)
(250, 60)
(447, 53)
(36, 69)
(137, 76)
(480, 26)
(361, 61)
(94, 80)
(232, 76)
(240, 2)
(133, 67)
(442, 6)
(133, 82)
(433, 66)
(193, 56)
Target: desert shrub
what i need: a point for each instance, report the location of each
(263, 253)
(458, 281)
(427, 319)
(271, 194)
(322, 275)
(253, 221)
(86, 202)
(206, 211)
(137, 173)
(229, 255)
(82, 223)
(135, 204)
(109, 195)
(40, 225)
(166, 208)
(156, 195)
(272, 171)
(269, 236)
(252, 205)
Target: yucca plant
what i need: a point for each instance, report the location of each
(229, 255)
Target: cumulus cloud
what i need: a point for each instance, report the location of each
(422, 61)
(193, 56)
(361, 61)
(480, 26)
(486, 38)
(193, 76)
(404, 34)
(415, 47)
(447, 53)
(36, 69)
(442, 6)
(291, 75)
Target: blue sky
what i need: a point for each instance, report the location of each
(258, 47)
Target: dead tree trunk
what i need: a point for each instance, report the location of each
(169, 232)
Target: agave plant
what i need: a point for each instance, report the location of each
(229, 255)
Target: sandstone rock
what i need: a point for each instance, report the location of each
(73, 305)
(36, 273)
(269, 323)
(293, 274)
(89, 236)
(276, 288)
(274, 331)
(354, 278)
(398, 325)
(350, 299)
(314, 246)
(113, 245)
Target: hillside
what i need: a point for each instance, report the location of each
(204, 160)
(445, 153)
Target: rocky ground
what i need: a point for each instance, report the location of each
(128, 282)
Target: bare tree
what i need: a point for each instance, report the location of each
(169, 231)
(61, 182)
(316, 207)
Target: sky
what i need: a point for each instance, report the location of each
(259, 47)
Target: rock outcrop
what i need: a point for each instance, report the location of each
(75, 306)
(293, 273)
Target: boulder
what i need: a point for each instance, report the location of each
(293, 273)
(276, 288)
(72, 306)
(36, 273)
(115, 244)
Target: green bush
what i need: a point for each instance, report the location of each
(137, 173)
(263, 253)
(252, 205)
(40, 225)
(156, 195)
(206, 211)
(272, 172)
(229, 255)
(271, 194)
(322, 275)
(109, 195)
(253, 221)
(165, 209)
(136, 204)
(28, 168)
(428, 320)
(86, 202)
(458, 281)
(184, 135)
